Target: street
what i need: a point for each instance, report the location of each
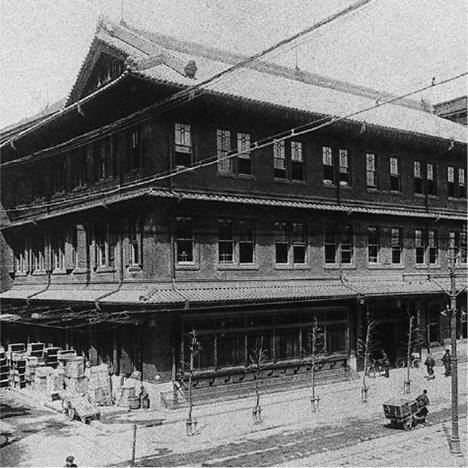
(344, 432)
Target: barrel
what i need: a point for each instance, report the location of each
(134, 403)
(75, 367)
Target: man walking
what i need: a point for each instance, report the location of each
(447, 361)
(430, 363)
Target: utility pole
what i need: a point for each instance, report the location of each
(451, 313)
(455, 439)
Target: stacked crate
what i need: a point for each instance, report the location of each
(18, 370)
(99, 385)
(14, 348)
(4, 369)
(32, 363)
(40, 378)
(55, 381)
(75, 380)
(51, 356)
(36, 350)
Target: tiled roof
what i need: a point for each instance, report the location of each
(217, 293)
(270, 84)
(104, 199)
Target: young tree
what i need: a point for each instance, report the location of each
(257, 359)
(194, 348)
(415, 341)
(317, 347)
(365, 349)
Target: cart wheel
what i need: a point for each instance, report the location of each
(71, 413)
(408, 424)
(400, 363)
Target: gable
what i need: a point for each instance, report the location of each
(102, 65)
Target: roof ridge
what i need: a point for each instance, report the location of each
(232, 58)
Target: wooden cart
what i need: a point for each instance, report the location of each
(77, 406)
(401, 412)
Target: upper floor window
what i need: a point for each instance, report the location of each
(22, 255)
(183, 145)
(244, 159)
(290, 243)
(371, 170)
(59, 173)
(456, 180)
(136, 241)
(103, 158)
(328, 165)
(418, 178)
(373, 244)
(104, 241)
(339, 244)
(279, 159)
(431, 179)
(344, 167)
(135, 146)
(458, 241)
(420, 246)
(38, 254)
(235, 241)
(184, 240)
(223, 147)
(297, 161)
(394, 175)
(396, 245)
(79, 167)
(433, 246)
(461, 182)
(58, 251)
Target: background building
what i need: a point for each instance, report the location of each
(165, 198)
(454, 110)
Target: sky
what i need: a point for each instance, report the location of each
(390, 45)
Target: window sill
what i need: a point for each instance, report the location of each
(238, 267)
(294, 266)
(419, 195)
(59, 272)
(21, 273)
(187, 266)
(372, 189)
(247, 176)
(80, 271)
(335, 266)
(106, 269)
(227, 174)
(134, 268)
(39, 273)
(396, 192)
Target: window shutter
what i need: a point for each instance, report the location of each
(47, 253)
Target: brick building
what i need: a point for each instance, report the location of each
(156, 202)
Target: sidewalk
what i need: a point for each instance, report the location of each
(160, 431)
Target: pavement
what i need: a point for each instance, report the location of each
(161, 431)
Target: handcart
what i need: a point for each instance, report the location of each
(74, 405)
(401, 412)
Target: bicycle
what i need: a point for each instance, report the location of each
(415, 362)
(375, 368)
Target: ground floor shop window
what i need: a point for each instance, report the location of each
(231, 342)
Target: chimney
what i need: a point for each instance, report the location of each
(190, 69)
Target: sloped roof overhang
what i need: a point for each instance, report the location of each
(121, 194)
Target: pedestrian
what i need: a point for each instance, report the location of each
(430, 363)
(447, 361)
(70, 461)
(144, 398)
(423, 403)
(386, 364)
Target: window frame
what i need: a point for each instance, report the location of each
(371, 173)
(237, 243)
(396, 248)
(279, 160)
(418, 177)
(189, 240)
(344, 167)
(183, 145)
(223, 148)
(394, 174)
(328, 164)
(244, 156)
(373, 245)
